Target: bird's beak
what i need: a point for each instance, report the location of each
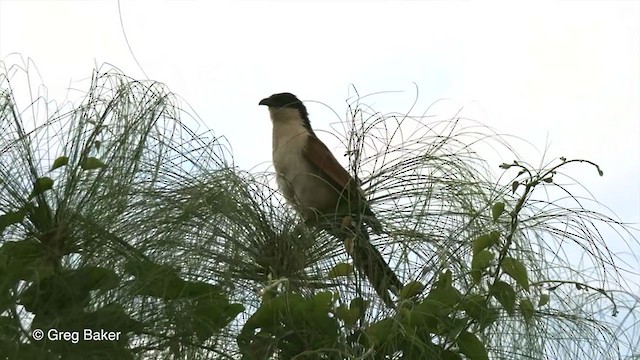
(264, 101)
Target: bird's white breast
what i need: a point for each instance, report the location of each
(297, 179)
(289, 140)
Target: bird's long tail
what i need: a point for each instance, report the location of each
(370, 262)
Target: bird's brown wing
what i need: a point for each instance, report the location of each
(319, 155)
(366, 257)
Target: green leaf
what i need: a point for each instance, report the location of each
(341, 269)
(492, 316)
(301, 323)
(514, 186)
(442, 296)
(544, 300)
(25, 260)
(515, 268)
(267, 315)
(345, 314)
(199, 289)
(526, 307)
(11, 218)
(445, 279)
(480, 262)
(471, 346)
(349, 315)
(60, 162)
(443, 292)
(505, 295)
(169, 288)
(110, 317)
(260, 346)
(96, 277)
(212, 314)
(67, 290)
(381, 332)
(41, 185)
(496, 210)
(142, 268)
(411, 289)
(322, 300)
(477, 307)
(476, 275)
(434, 313)
(91, 163)
(41, 216)
(314, 313)
(359, 304)
(159, 281)
(484, 241)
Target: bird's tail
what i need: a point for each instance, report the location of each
(369, 261)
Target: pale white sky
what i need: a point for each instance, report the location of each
(561, 73)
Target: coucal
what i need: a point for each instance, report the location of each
(322, 191)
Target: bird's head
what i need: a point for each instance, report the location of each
(283, 106)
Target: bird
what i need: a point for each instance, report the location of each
(324, 194)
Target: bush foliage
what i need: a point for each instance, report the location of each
(116, 216)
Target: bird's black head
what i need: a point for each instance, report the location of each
(288, 101)
(282, 100)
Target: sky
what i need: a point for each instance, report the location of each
(562, 75)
